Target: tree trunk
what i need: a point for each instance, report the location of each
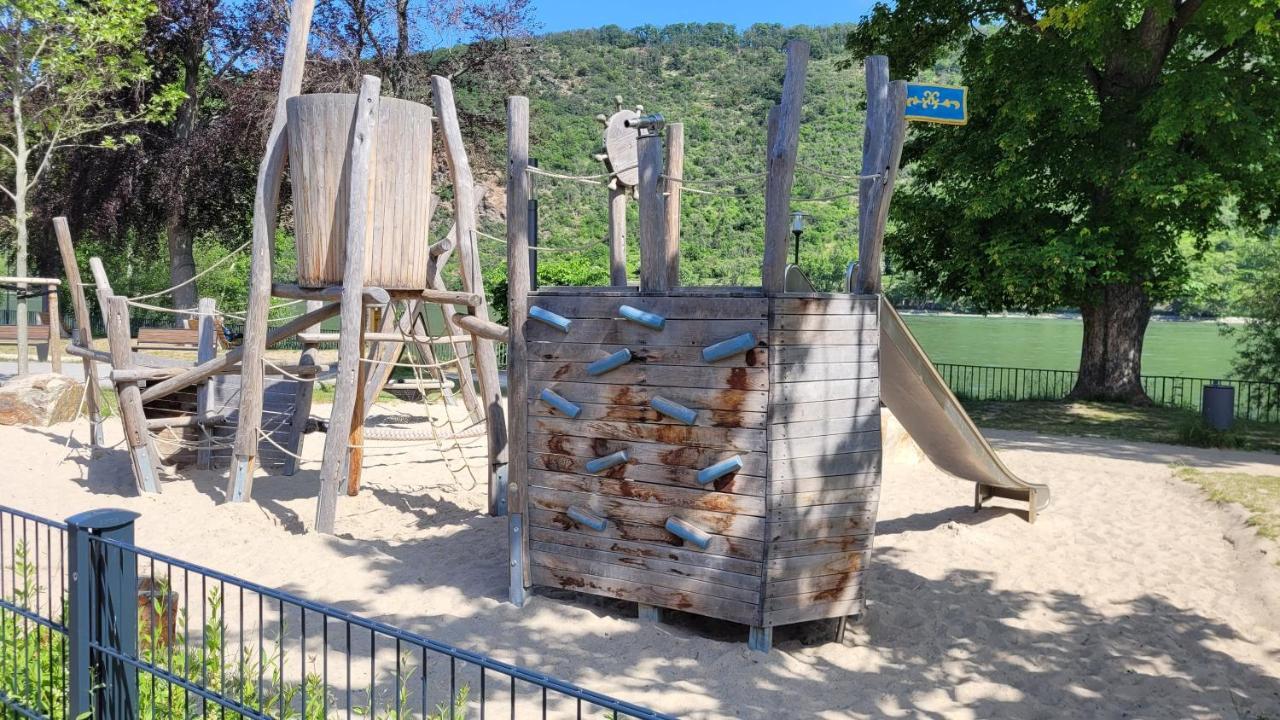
(182, 261)
(1111, 350)
(20, 183)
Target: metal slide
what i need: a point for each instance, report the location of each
(920, 399)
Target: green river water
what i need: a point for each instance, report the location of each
(1190, 349)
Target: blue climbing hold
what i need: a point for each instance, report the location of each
(647, 319)
(726, 348)
(558, 322)
(614, 361)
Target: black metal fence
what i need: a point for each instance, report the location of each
(1253, 400)
(92, 624)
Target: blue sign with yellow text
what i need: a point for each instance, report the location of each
(947, 104)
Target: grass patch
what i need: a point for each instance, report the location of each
(1175, 426)
(1259, 494)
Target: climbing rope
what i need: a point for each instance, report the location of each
(224, 259)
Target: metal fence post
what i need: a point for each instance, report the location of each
(102, 610)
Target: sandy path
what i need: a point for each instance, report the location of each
(1131, 597)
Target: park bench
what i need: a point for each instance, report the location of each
(167, 339)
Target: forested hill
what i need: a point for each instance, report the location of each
(720, 83)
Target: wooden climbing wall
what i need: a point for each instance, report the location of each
(797, 405)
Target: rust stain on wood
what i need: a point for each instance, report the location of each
(563, 370)
(738, 379)
(561, 444)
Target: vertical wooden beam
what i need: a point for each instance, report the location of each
(781, 168)
(351, 332)
(472, 281)
(355, 458)
(84, 334)
(302, 399)
(654, 246)
(54, 321)
(618, 236)
(115, 316)
(206, 350)
(266, 198)
(518, 284)
(466, 379)
(674, 169)
(881, 152)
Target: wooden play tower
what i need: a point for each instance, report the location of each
(714, 450)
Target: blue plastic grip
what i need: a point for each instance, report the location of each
(559, 403)
(608, 461)
(614, 361)
(688, 533)
(647, 319)
(558, 322)
(732, 346)
(582, 517)
(674, 410)
(719, 470)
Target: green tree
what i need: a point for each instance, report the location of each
(1258, 341)
(62, 60)
(1101, 133)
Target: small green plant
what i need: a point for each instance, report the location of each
(1193, 430)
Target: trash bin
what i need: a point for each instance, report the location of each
(1218, 405)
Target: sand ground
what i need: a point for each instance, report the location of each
(1132, 596)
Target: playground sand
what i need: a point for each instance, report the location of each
(1132, 596)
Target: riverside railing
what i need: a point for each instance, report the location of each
(94, 625)
(1253, 400)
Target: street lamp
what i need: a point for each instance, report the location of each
(797, 229)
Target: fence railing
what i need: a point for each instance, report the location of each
(91, 623)
(1253, 400)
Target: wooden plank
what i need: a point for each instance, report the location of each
(337, 452)
(820, 304)
(656, 249)
(857, 505)
(648, 453)
(852, 590)
(654, 493)
(819, 546)
(780, 338)
(812, 354)
(834, 426)
(721, 608)
(645, 414)
(786, 414)
(674, 169)
(721, 545)
(657, 376)
(781, 166)
(810, 586)
(636, 512)
(644, 576)
(826, 496)
(676, 333)
(116, 314)
(697, 398)
(822, 391)
(784, 471)
(464, 214)
(693, 571)
(823, 527)
(583, 307)
(718, 568)
(736, 483)
(672, 434)
(881, 154)
(824, 445)
(783, 569)
(814, 612)
(824, 323)
(584, 352)
(827, 372)
(618, 236)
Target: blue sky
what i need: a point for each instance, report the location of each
(556, 15)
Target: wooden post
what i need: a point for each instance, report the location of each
(655, 251)
(351, 332)
(265, 200)
(675, 177)
(466, 380)
(886, 127)
(618, 235)
(302, 399)
(469, 257)
(54, 322)
(355, 458)
(518, 284)
(84, 335)
(206, 350)
(781, 168)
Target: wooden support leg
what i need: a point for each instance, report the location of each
(515, 547)
(649, 613)
(55, 330)
(760, 639)
(355, 458)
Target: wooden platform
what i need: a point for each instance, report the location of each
(789, 533)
